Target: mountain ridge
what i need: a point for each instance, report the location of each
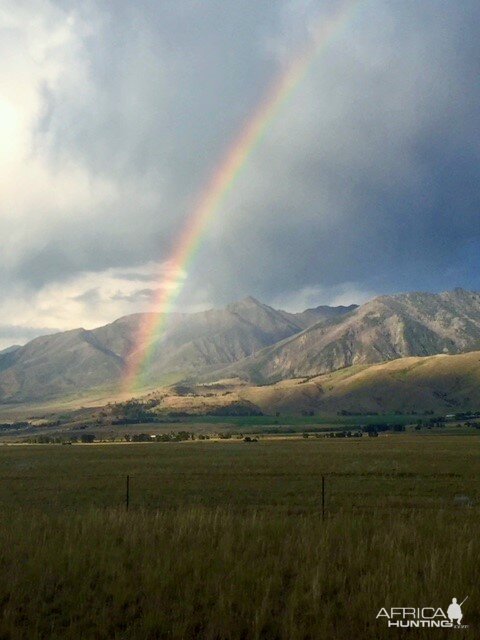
(248, 340)
(81, 359)
(382, 329)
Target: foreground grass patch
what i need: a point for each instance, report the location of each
(225, 541)
(214, 573)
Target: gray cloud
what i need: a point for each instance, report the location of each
(141, 295)
(365, 181)
(14, 334)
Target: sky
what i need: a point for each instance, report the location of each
(114, 115)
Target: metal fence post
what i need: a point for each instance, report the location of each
(323, 497)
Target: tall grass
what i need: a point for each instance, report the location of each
(225, 541)
(213, 573)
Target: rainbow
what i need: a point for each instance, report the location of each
(172, 279)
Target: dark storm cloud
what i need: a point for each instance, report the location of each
(368, 175)
(371, 174)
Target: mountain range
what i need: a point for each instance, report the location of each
(73, 362)
(246, 340)
(383, 329)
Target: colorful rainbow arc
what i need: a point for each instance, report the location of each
(221, 183)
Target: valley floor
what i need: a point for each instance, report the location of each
(227, 540)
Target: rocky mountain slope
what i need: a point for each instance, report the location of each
(386, 328)
(72, 362)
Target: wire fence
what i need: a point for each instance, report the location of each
(291, 492)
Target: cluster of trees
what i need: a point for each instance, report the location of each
(173, 436)
(134, 412)
(86, 438)
(183, 390)
(470, 419)
(371, 430)
(61, 439)
(342, 434)
(475, 425)
(44, 440)
(344, 412)
(8, 426)
(377, 428)
(458, 417)
(413, 411)
(179, 436)
(428, 424)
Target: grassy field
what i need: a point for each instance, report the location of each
(227, 540)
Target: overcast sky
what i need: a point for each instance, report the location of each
(114, 114)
